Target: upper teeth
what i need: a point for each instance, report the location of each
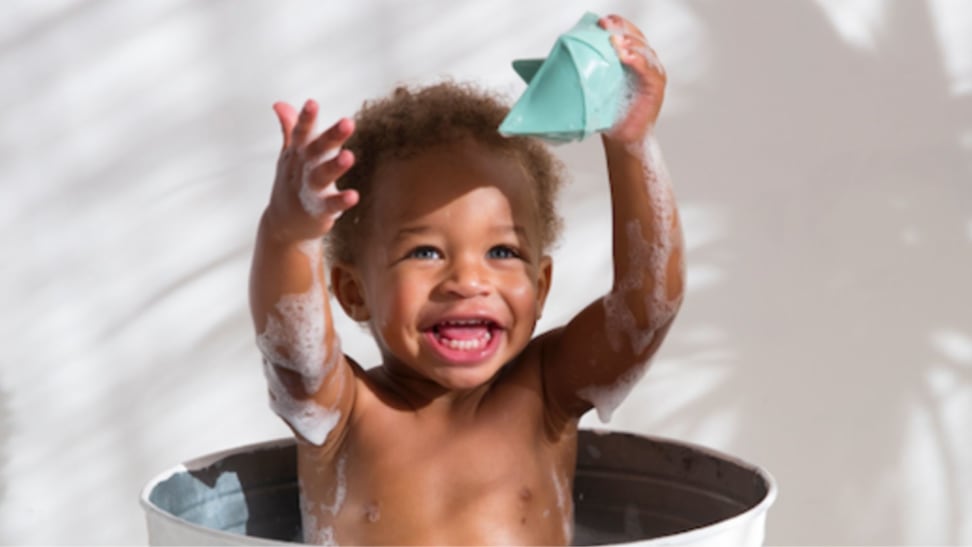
(467, 345)
(465, 322)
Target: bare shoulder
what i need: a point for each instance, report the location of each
(375, 391)
(522, 385)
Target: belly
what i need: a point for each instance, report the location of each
(417, 506)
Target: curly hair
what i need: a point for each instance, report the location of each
(409, 121)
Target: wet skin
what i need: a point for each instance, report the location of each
(463, 429)
(466, 433)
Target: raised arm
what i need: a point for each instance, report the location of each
(308, 377)
(602, 352)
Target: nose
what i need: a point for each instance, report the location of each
(466, 278)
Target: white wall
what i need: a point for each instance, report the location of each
(821, 153)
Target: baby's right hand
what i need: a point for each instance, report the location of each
(305, 201)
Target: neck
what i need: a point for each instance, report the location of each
(426, 396)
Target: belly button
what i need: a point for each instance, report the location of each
(525, 494)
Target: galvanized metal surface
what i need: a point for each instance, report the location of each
(629, 489)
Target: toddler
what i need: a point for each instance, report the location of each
(435, 230)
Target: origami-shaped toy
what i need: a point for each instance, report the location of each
(577, 90)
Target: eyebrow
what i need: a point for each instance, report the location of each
(411, 230)
(515, 228)
(424, 229)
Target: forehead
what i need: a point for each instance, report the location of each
(445, 176)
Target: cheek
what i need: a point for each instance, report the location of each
(400, 300)
(523, 290)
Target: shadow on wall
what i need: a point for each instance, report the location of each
(836, 348)
(837, 357)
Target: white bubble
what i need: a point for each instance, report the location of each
(607, 399)
(294, 338)
(313, 201)
(564, 503)
(315, 533)
(340, 489)
(309, 419)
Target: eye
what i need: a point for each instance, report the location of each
(424, 253)
(503, 252)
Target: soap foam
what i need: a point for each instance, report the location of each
(314, 533)
(564, 504)
(308, 519)
(340, 489)
(607, 399)
(309, 419)
(647, 263)
(300, 328)
(294, 341)
(326, 537)
(317, 535)
(314, 201)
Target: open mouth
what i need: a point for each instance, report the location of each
(464, 339)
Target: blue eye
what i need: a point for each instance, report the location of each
(425, 253)
(503, 252)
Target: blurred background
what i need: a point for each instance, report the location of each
(821, 152)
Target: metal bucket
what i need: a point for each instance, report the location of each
(629, 489)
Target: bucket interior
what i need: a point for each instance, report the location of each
(627, 488)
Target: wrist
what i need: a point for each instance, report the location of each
(279, 233)
(616, 147)
(626, 136)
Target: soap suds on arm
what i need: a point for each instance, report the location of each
(294, 340)
(639, 305)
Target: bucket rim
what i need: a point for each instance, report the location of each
(698, 534)
(201, 462)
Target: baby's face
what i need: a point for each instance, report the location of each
(453, 277)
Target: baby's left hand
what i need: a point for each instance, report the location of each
(648, 80)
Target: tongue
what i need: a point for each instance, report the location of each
(462, 332)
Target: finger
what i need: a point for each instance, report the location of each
(340, 202)
(287, 116)
(649, 74)
(333, 138)
(637, 54)
(328, 204)
(305, 123)
(630, 44)
(632, 41)
(615, 24)
(329, 171)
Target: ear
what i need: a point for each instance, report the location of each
(349, 291)
(544, 278)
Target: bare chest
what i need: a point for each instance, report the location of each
(485, 482)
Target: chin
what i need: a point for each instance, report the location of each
(466, 380)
